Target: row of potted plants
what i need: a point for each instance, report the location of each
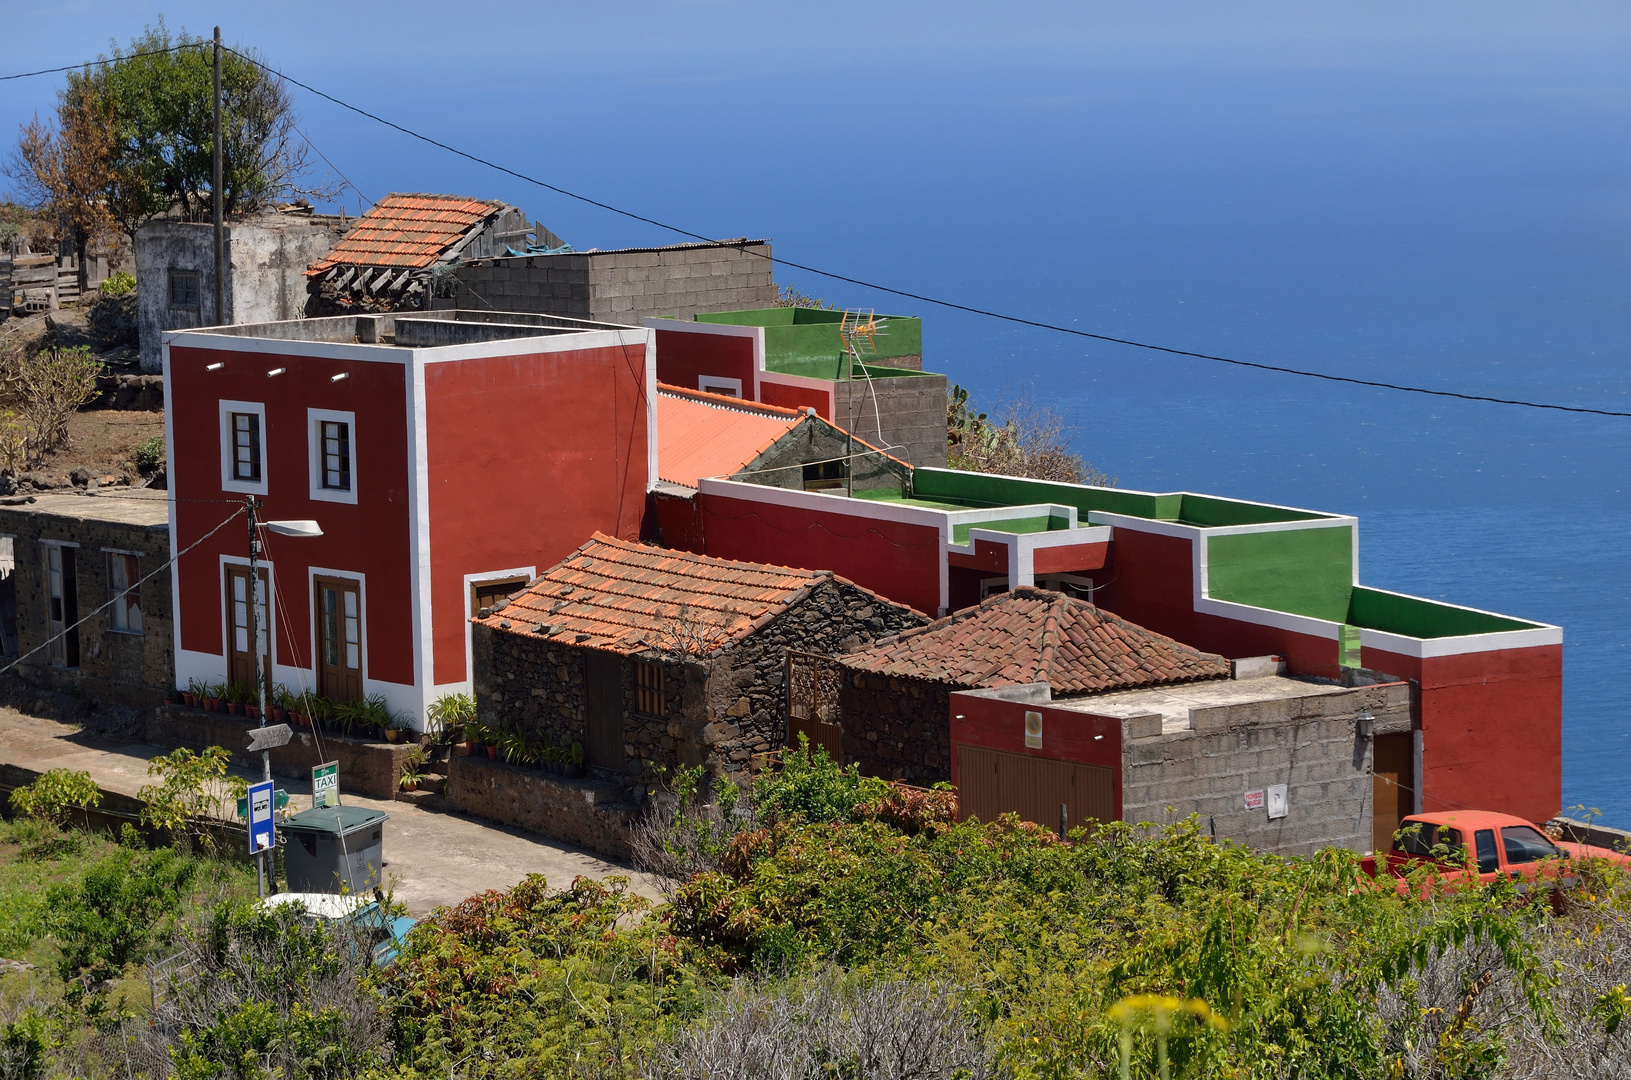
(519, 748)
(367, 718)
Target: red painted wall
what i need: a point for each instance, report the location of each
(1069, 558)
(1067, 735)
(1491, 728)
(673, 522)
(528, 456)
(370, 538)
(988, 558)
(685, 356)
(793, 396)
(894, 559)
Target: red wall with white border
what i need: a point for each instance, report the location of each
(684, 356)
(528, 456)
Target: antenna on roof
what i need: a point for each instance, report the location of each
(860, 333)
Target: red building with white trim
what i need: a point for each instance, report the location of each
(447, 457)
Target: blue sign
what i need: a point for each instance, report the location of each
(261, 828)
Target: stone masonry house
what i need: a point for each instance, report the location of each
(654, 659)
(895, 695)
(73, 602)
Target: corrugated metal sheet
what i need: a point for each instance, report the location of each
(1058, 795)
(702, 434)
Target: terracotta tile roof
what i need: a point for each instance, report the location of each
(626, 598)
(407, 230)
(702, 434)
(1032, 635)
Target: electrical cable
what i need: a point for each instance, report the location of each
(121, 596)
(922, 298)
(109, 60)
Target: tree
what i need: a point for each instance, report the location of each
(133, 136)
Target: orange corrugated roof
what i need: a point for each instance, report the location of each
(407, 230)
(626, 598)
(700, 434)
(1033, 635)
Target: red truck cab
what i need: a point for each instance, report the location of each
(1464, 844)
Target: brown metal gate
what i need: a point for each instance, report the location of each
(813, 682)
(1060, 795)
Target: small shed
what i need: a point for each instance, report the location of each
(895, 694)
(653, 658)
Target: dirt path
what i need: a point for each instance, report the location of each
(430, 858)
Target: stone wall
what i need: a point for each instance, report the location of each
(720, 712)
(371, 769)
(624, 286)
(1306, 743)
(912, 409)
(114, 666)
(816, 440)
(267, 255)
(897, 728)
(591, 813)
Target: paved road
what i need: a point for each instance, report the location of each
(430, 858)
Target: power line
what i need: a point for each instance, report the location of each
(906, 294)
(110, 60)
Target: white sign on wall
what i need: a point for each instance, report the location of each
(1033, 730)
(1254, 800)
(1277, 801)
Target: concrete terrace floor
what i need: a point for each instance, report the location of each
(431, 858)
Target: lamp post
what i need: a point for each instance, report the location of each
(280, 528)
(1365, 724)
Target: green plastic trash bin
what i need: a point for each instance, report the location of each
(333, 849)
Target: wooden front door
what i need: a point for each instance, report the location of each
(62, 605)
(1393, 784)
(1059, 795)
(338, 603)
(603, 741)
(240, 653)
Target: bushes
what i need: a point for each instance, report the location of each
(149, 455)
(111, 917)
(113, 316)
(52, 795)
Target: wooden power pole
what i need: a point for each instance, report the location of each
(215, 197)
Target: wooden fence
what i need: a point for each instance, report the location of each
(34, 283)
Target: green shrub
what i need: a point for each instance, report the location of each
(117, 284)
(811, 788)
(191, 787)
(111, 917)
(52, 795)
(149, 455)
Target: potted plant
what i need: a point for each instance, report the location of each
(194, 694)
(212, 696)
(172, 696)
(447, 717)
(411, 776)
(393, 730)
(574, 760)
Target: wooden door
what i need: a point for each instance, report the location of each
(240, 655)
(603, 741)
(62, 605)
(1059, 795)
(338, 603)
(1393, 784)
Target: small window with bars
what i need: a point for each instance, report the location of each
(335, 439)
(246, 447)
(648, 689)
(184, 290)
(124, 578)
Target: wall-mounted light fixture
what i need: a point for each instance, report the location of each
(276, 371)
(215, 366)
(1365, 724)
(341, 375)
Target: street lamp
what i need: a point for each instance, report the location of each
(1365, 724)
(307, 529)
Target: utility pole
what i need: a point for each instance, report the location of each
(251, 504)
(215, 198)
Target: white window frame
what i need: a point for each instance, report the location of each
(116, 597)
(242, 487)
(719, 381)
(314, 454)
(470, 580)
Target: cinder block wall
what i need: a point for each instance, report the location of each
(624, 286)
(912, 409)
(1306, 743)
(117, 667)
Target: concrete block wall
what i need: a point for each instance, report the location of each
(624, 286)
(116, 667)
(1307, 743)
(912, 410)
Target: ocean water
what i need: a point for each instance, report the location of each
(1433, 194)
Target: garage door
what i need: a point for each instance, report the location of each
(1058, 794)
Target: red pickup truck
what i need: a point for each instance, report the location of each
(1464, 844)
